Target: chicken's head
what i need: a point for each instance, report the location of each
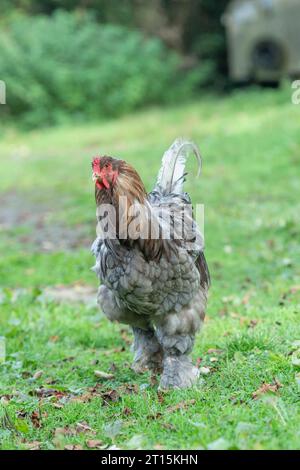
(105, 172)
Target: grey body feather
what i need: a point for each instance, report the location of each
(171, 175)
(165, 296)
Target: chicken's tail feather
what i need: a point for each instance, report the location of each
(172, 173)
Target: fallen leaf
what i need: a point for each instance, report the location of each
(110, 396)
(204, 370)
(84, 427)
(37, 374)
(50, 381)
(66, 431)
(246, 298)
(265, 388)
(80, 427)
(94, 443)
(73, 447)
(169, 426)
(213, 359)
(85, 398)
(160, 396)
(129, 389)
(35, 419)
(215, 351)
(68, 359)
(54, 338)
(158, 447)
(103, 375)
(127, 411)
(48, 392)
(59, 406)
(181, 405)
(155, 416)
(26, 374)
(4, 400)
(34, 445)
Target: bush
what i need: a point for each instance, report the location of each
(68, 65)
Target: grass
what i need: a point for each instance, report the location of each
(250, 187)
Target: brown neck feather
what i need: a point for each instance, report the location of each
(128, 184)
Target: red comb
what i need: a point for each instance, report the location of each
(96, 164)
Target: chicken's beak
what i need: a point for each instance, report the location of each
(96, 177)
(100, 181)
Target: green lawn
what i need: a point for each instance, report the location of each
(250, 144)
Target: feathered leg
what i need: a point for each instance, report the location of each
(178, 370)
(176, 334)
(148, 352)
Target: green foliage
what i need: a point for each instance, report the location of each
(198, 22)
(116, 11)
(68, 65)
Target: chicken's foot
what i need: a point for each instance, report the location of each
(178, 370)
(148, 353)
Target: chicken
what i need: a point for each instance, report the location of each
(150, 261)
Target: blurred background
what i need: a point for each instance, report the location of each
(89, 59)
(126, 78)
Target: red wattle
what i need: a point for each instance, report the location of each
(105, 182)
(99, 185)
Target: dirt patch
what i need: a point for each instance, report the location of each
(72, 294)
(34, 224)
